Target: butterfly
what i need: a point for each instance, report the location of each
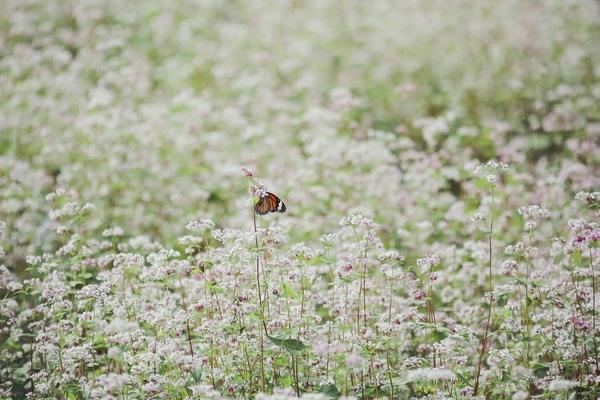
(269, 203)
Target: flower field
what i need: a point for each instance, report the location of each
(425, 176)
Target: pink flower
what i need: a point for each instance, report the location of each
(353, 360)
(246, 171)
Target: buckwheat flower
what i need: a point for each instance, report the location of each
(53, 294)
(219, 235)
(594, 196)
(247, 172)
(491, 179)
(194, 226)
(87, 207)
(530, 225)
(114, 382)
(300, 250)
(352, 220)
(70, 209)
(111, 232)
(490, 166)
(328, 239)
(206, 391)
(383, 327)
(54, 215)
(344, 270)
(208, 224)
(577, 225)
(201, 226)
(479, 217)
(183, 265)
(66, 250)
(429, 374)
(390, 255)
(520, 395)
(418, 294)
(500, 357)
(412, 362)
(258, 190)
(320, 348)
(430, 260)
(62, 230)
(187, 239)
(534, 212)
(509, 268)
(561, 384)
(33, 259)
(532, 251)
(517, 248)
(47, 267)
(51, 197)
(13, 286)
(353, 360)
(60, 192)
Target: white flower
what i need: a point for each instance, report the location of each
(534, 212)
(560, 384)
(479, 217)
(490, 166)
(429, 374)
(530, 225)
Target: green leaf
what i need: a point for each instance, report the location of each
(288, 291)
(289, 344)
(376, 392)
(463, 379)
(197, 375)
(400, 381)
(214, 287)
(327, 260)
(330, 390)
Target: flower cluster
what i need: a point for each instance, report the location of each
(120, 124)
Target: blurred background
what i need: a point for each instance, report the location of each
(148, 109)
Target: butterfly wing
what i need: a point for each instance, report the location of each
(262, 206)
(269, 203)
(277, 203)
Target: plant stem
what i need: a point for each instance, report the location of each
(487, 325)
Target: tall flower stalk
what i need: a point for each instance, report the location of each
(491, 167)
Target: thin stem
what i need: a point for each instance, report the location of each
(594, 305)
(487, 325)
(260, 303)
(187, 318)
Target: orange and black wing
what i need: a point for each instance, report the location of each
(269, 203)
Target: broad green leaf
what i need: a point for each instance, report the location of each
(288, 291)
(330, 390)
(197, 375)
(289, 344)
